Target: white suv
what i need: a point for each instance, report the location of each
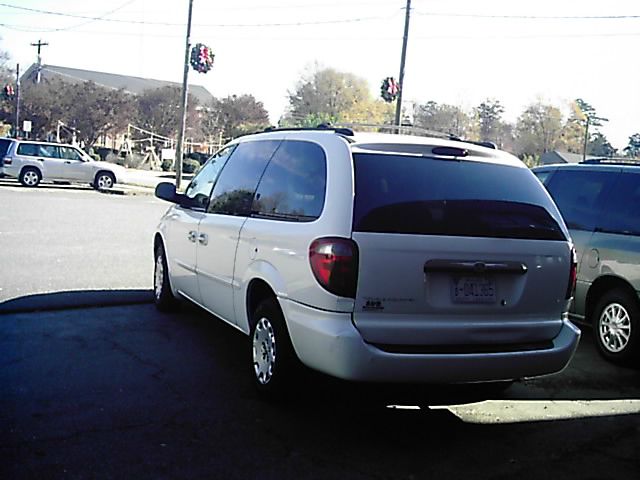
(32, 162)
(373, 257)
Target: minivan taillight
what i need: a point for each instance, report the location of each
(6, 161)
(573, 274)
(334, 262)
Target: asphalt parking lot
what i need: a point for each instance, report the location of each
(127, 392)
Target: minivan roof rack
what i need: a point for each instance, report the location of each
(419, 130)
(612, 161)
(323, 126)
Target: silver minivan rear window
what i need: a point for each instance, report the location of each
(426, 196)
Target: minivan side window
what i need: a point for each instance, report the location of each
(580, 195)
(293, 185)
(234, 190)
(623, 207)
(201, 185)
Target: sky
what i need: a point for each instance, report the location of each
(459, 51)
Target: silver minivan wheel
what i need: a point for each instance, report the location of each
(614, 327)
(273, 363)
(162, 293)
(158, 278)
(264, 351)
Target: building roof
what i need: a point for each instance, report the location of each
(134, 85)
(556, 156)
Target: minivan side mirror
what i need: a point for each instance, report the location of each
(167, 191)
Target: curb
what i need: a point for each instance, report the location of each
(43, 302)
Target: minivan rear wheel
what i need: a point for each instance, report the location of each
(273, 356)
(30, 177)
(616, 326)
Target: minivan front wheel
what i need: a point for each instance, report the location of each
(616, 327)
(273, 357)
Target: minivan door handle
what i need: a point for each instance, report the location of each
(203, 239)
(192, 235)
(463, 266)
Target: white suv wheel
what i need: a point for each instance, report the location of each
(104, 181)
(30, 178)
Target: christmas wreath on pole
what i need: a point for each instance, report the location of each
(390, 89)
(201, 58)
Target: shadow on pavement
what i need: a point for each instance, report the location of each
(6, 182)
(587, 378)
(170, 396)
(75, 299)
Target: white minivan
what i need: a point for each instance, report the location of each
(373, 257)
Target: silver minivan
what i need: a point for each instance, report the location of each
(373, 257)
(600, 201)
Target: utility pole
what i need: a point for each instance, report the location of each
(586, 139)
(402, 61)
(17, 100)
(183, 105)
(39, 45)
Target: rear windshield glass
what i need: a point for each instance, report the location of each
(418, 195)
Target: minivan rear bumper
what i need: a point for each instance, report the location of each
(329, 342)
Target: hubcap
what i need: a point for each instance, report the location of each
(614, 327)
(264, 351)
(104, 181)
(30, 178)
(159, 277)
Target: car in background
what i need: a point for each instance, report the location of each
(32, 162)
(600, 203)
(373, 257)
(4, 146)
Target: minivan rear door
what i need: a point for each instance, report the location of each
(456, 253)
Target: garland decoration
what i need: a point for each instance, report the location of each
(389, 90)
(201, 58)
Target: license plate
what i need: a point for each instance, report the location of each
(473, 290)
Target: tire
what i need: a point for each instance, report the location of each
(616, 327)
(273, 359)
(162, 294)
(104, 181)
(30, 177)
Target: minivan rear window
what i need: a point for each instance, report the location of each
(425, 196)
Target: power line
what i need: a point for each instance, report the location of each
(217, 25)
(101, 17)
(334, 38)
(529, 17)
